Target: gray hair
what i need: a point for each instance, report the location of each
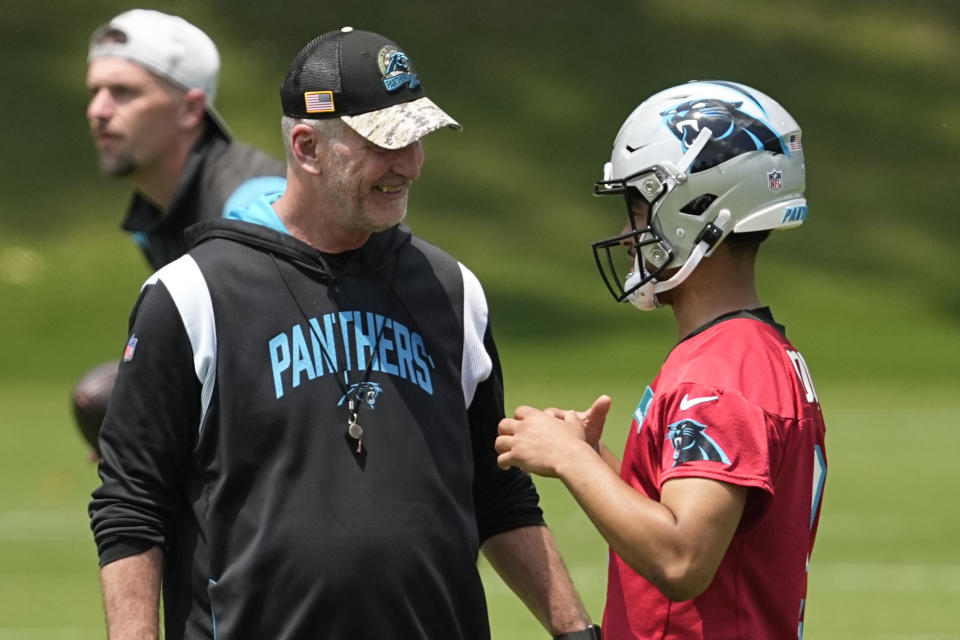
(329, 128)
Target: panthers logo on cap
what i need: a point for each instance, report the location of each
(734, 131)
(396, 68)
(691, 443)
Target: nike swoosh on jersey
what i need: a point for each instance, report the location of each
(687, 402)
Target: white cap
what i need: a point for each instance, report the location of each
(165, 45)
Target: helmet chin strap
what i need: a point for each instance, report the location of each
(645, 297)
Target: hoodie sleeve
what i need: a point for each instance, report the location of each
(148, 433)
(504, 499)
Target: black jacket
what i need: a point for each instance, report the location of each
(226, 442)
(216, 167)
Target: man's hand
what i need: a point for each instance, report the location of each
(593, 419)
(541, 441)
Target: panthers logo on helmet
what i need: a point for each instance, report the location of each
(734, 131)
(691, 443)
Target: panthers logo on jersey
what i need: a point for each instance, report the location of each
(734, 131)
(362, 392)
(691, 443)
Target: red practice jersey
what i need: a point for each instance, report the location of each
(735, 403)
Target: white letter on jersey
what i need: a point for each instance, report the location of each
(803, 372)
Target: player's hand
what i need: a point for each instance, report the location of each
(592, 419)
(540, 442)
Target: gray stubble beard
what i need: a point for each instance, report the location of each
(119, 167)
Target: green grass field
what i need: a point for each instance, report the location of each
(869, 287)
(886, 565)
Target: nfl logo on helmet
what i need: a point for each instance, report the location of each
(775, 179)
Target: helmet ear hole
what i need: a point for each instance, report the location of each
(698, 205)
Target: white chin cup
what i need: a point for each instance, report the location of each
(644, 298)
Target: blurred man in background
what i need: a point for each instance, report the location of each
(712, 514)
(153, 79)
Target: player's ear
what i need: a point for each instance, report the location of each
(193, 108)
(307, 148)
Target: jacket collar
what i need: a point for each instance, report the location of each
(377, 254)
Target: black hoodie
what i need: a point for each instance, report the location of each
(226, 444)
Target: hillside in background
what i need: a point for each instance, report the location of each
(541, 89)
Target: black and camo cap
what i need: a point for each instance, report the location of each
(366, 80)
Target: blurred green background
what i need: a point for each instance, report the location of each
(869, 287)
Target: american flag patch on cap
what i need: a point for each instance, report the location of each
(319, 101)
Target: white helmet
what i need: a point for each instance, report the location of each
(711, 158)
